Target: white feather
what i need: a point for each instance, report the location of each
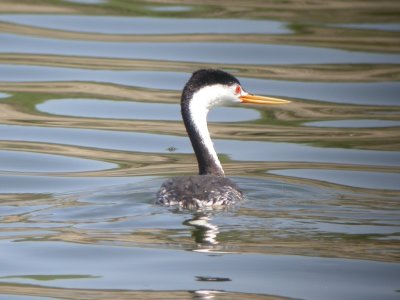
(202, 101)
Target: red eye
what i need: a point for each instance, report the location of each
(238, 89)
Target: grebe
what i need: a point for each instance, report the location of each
(205, 89)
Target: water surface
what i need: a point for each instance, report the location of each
(373, 26)
(206, 52)
(18, 161)
(87, 1)
(132, 268)
(108, 109)
(90, 127)
(141, 25)
(368, 180)
(375, 93)
(162, 144)
(355, 123)
(171, 8)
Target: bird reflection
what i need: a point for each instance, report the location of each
(205, 294)
(203, 232)
(205, 235)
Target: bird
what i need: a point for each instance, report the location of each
(205, 89)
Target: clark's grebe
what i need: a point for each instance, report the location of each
(205, 89)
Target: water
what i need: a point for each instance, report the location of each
(355, 123)
(199, 52)
(18, 161)
(366, 26)
(140, 25)
(90, 127)
(376, 93)
(109, 109)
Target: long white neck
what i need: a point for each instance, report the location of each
(195, 118)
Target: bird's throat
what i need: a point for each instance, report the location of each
(195, 119)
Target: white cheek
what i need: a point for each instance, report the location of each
(214, 95)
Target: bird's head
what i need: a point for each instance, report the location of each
(207, 88)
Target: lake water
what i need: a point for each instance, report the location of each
(90, 127)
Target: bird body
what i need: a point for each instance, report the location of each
(204, 90)
(199, 191)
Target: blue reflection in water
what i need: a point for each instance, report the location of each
(21, 161)
(139, 269)
(372, 26)
(33, 184)
(367, 123)
(108, 109)
(369, 93)
(170, 8)
(237, 150)
(369, 180)
(4, 95)
(228, 53)
(143, 25)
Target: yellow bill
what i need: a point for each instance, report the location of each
(255, 99)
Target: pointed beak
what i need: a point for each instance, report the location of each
(255, 99)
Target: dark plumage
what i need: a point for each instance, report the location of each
(199, 191)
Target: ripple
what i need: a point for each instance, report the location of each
(372, 26)
(86, 235)
(220, 53)
(355, 123)
(136, 268)
(18, 161)
(95, 108)
(4, 95)
(146, 79)
(237, 150)
(19, 184)
(103, 139)
(87, 1)
(142, 25)
(368, 93)
(359, 179)
(172, 8)
(371, 93)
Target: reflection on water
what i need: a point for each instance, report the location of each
(155, 80)
(369, 180)
(355, 123)
(171, 8)
(91, 126)
(17, 161)
(87, 1)
(107, 109)
(217, 53)
(230, 250)
(204, 233)
(376, 93)
(10, 184)
(372, 93)
(129, 25)
(4, 95)
(132, 268)
(383, 27)
(160, 143)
